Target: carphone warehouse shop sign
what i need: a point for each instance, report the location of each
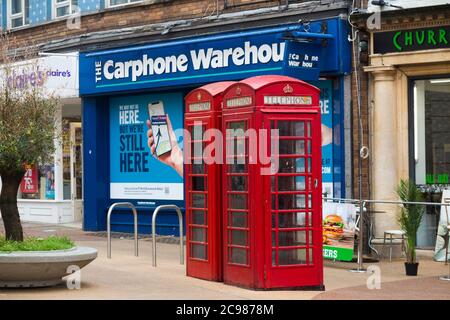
(178, 65)
(208, 59)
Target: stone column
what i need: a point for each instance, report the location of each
(384, 153)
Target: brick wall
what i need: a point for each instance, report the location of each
(158, 11)
(363, 77)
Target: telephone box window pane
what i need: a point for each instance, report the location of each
(198, 200)
(237, 201)
(289, 257)
(310, 239)
(239, 237)
(236, 125)
(198, 168)
(237, 168)
(292, 165)
(274, 258)
(291, 220)
(239, 149)
(199, 251)
(292, 147)
(238, 255)
(238, 219)
(291, 128)
(311, 256)
(291, 201)
(291, 238)
(198, 183)
(296, 183)
(238, 183)
(199, 234)
(198, 217)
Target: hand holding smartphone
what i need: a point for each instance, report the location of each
(158, 121)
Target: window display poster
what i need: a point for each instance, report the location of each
(439, 251)
(135, 172)
(29, 183)
(339, 225)
(326, 107)
(49, 182)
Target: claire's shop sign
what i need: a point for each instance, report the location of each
(412, 40)
(57, 75)
(208, 59)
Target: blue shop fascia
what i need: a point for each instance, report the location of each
(117, 86)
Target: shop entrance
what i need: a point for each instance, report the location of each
(430, 140)
(73, 167)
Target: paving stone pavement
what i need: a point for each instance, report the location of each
(128, 277)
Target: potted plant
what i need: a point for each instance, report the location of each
(410, 219)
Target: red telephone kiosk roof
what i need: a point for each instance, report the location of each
(206, 98)
(271, 91)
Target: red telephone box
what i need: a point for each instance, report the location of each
(203, 183)
(272, 221)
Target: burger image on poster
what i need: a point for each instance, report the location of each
(339, 223)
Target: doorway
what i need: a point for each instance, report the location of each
(73, 166)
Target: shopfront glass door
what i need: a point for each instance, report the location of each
(76, 169)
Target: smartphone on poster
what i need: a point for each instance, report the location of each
(158, 121)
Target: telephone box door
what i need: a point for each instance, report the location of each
(201, 221)
(293, 222)
(238, 220)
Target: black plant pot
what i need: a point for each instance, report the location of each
(411, 268)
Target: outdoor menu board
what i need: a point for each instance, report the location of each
(439, 251)
(339, 224)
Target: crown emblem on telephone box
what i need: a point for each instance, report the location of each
(238, 90)
(199, 96)
(288, 89)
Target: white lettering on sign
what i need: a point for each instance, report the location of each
(202, 59)
(200, 106)
(239, 102)
(129, 114)
(288, 100)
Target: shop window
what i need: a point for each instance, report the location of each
(19, 13)
(62, 8)
(115, 3)
(432, 131)
(38, 182)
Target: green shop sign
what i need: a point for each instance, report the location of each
(412, 40)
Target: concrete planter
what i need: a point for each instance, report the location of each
(41, 268)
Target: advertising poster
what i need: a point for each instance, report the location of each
(136, 173)
(29, 182)
(49, 182)
(326, 106)
(339, 225)
(439, 251)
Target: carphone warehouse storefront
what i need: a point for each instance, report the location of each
(119, 88)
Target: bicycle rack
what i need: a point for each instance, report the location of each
(108, 223)
(180, 220)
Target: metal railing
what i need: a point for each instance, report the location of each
(180, 220)
(362, 204)
(108, 225)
